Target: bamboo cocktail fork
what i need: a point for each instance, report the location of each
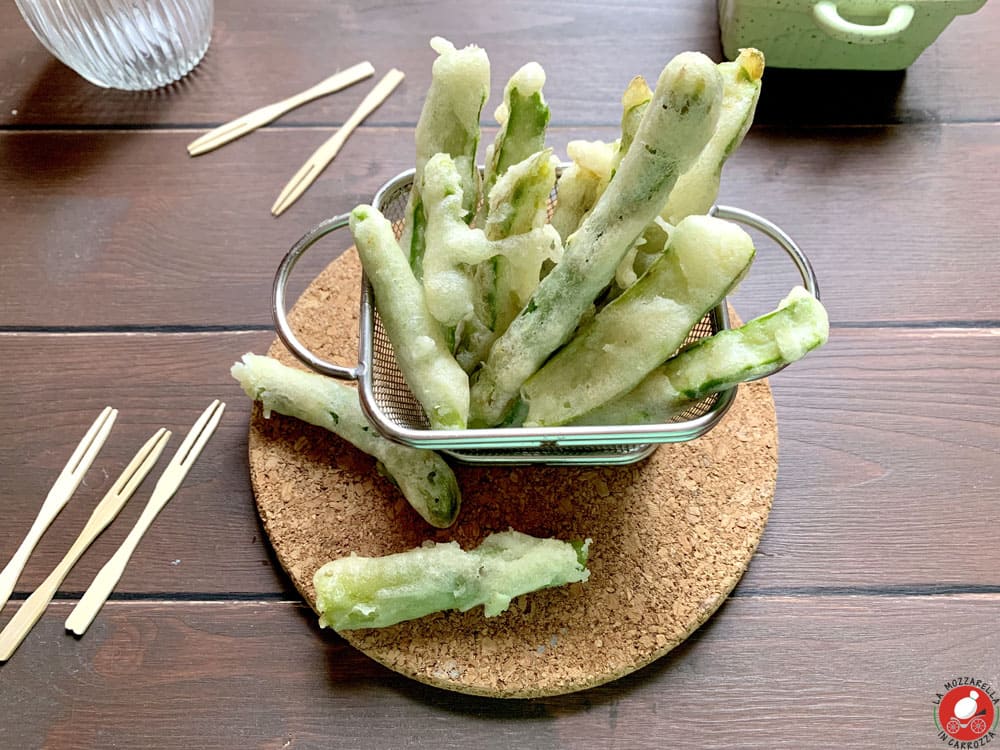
(322, 156)
(234, 129)
(65, 485)
(104, 583)
(105, 512)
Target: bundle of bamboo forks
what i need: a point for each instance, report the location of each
(107, 509)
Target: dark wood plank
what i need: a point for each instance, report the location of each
(887, 464)
(262, 52)
(885, 452)
(774, 672)
(888, 217)
(127, 229)
(208, 539)
(124, 229)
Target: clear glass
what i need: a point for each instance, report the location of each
(123, 44)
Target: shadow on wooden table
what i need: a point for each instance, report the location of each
(825, 97)
(58, 95)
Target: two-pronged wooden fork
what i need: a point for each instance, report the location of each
(249, 122)
(105, 581)
(65, 485)
(105, 512)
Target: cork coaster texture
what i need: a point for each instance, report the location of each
(671, 535)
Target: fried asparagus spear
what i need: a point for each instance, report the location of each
(517, 206)
(372, 592)
(581, 184)
(518, 200)
(754, 350)
(593, 163)
(634, 102)
(454, 249)
(706, 259)
(425, 480)
(697, 189)
(523, 117)
(449, 123)
(678, 122)
(510, 210)
(422, 351)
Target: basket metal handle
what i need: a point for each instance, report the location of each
(780, 237)
(281, 324)
(306, 356)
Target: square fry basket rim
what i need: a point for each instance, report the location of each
(394, 413)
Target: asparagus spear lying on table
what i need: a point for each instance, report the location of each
(425, 480)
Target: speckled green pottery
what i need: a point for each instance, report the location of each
(845, 34)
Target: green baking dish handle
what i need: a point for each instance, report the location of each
(828, 18)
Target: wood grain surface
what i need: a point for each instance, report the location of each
(886, 446)
(263, 51)
(176, 241)
(133, 275)
(775, 672)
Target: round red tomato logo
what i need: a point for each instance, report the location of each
(966, 713)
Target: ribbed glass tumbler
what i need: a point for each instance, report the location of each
(123, 44)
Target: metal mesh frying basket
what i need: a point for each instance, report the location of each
(397, 415)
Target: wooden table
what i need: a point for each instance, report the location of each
(133, 275)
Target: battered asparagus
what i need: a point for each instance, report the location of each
(373, 592)
(422, 352)
(754, 350)
(678, 122)
(449, 123)
(593, 163)
(453, 248)
(697, 189)
(523, 117)
(629, 337)
(425, 480)
(634, 102)
(517, 206)
(582, 183)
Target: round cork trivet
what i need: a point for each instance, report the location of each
(671, 535)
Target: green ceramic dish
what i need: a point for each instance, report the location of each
(837, 34)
